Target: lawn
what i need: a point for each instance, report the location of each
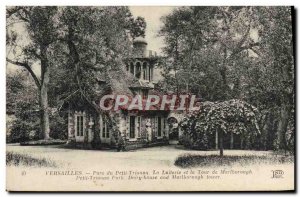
(36, 160)
(189, 160)
(155, 157)
(17, 159)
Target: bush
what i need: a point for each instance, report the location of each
(185, 141)
(22, 131)
(200, 143)
(26, 127)
(58, 126)
(192, 137)
(23, 111)
(43, 142)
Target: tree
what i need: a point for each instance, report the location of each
(269, 78)
(97, 40)
(74, 43)
(232, 116)
(279, 62)
(21, 107)
(245, 53)
(40, 25)
(209, 41)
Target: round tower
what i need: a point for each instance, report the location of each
(139, 47)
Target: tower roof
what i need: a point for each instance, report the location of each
(139, 40)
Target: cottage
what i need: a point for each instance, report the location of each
(122, 128)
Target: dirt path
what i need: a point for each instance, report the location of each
(148, 160)
(163, 156)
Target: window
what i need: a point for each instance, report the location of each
(138, 70)
(132, 68)
(79, 125)
(159, 126)
(104, 129)
(132, 127)
(154, 125)
(149, 73)
(145, 71)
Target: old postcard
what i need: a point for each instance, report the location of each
(131, 98)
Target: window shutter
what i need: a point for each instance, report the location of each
(100, 125)
(76, 125)
(165, 127)
(106, 130)
(156, 128)
(162, 126)
(138, 126)
(127, 126)
(84, 124)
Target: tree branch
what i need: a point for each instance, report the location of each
(12, 11)
(250, 46)
(28, 68)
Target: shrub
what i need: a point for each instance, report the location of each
(58, 126)
(26, 127)
(192, 137)
(43, 142)
(22, 131)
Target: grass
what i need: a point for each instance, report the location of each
(17, 159)
(188, 160)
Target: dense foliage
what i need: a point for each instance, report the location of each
(245, 53)
(70, 46)
(233, 116)
(23, 111)
(238, 60)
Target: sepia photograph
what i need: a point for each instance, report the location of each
(150, 98)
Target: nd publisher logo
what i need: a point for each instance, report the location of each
(277, 174)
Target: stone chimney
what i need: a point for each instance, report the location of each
(139, 47)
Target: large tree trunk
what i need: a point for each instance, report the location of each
(44, 111)
(217, 140)
(242, 142)
(231, 140)
(221, 142)
(282, 126)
